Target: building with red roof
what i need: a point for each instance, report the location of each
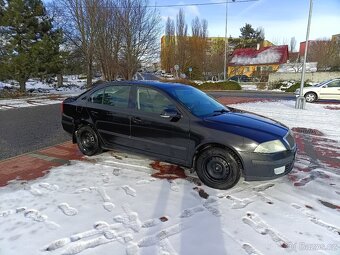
(257, 62)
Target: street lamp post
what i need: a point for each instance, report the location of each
(225, 42)
(300, 100)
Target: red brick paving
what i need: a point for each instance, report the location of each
(67, 151)
(23, 168)
(30, 166)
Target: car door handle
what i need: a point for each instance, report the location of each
(95, 113)
(136, 120)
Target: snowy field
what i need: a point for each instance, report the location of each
(43, 93)
(117, 203)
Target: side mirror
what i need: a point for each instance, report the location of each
(170, 114)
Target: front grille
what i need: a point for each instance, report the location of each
(289, 138)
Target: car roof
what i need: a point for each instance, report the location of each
(157, 84)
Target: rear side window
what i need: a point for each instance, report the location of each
(117, 96)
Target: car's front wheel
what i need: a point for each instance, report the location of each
(311, 97)
(88, 141)
(218, 168)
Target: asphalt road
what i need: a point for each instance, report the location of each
(27, 129)
(148, 76)
(254, 94)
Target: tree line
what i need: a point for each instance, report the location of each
(113, 36)
(197, 52)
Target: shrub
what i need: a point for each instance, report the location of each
(296, 86)
(222, 85)
(182, 81)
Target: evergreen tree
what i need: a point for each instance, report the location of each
(248, 32)
(33, 45)
(250, 37)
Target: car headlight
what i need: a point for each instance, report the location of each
(270, 147)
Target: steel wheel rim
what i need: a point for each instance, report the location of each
(217, 168)
(88, 140)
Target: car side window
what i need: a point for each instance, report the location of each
(152, 101)
(333, 84)
(97, 97)
(117, 96)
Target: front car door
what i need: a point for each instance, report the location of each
(152, 133)
(331, 90)
(109, 109)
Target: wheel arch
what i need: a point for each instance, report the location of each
(78, 124)
(209, 145)
(313, 92)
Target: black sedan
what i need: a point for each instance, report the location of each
(181, 125)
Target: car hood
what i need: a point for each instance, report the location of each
(312, 88)
(250, 121)
(306, 89)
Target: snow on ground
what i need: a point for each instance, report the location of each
(249, 87)
(6, 104)
(43, 93)
(114, 203)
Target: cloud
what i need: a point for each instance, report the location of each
(192, 10)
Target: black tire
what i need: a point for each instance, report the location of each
(311, 97)
(88, 141)
(218, 168)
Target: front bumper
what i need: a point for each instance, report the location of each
(260, 167)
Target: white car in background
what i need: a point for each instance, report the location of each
(329, 89)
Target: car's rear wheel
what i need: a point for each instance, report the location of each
(218, 168)
(311, 97)
(88, 141)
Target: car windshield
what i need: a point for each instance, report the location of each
(198, 102)
(322, 83)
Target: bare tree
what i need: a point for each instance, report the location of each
(117, 35)
(79, 20)
(108, 40)
(140, 32)
(169, 46)
(198, 46)
(215, 58)
(182, 40)
(326, 53)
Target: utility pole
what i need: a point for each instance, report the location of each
(226, 42)
(300, 100)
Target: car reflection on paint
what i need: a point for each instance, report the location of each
(182, 125)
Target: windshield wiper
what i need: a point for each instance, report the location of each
(218, 112)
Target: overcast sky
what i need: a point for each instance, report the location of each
(281, 19)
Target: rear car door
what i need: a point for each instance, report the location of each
(109, 109)
(166, 137)
(331, 90)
